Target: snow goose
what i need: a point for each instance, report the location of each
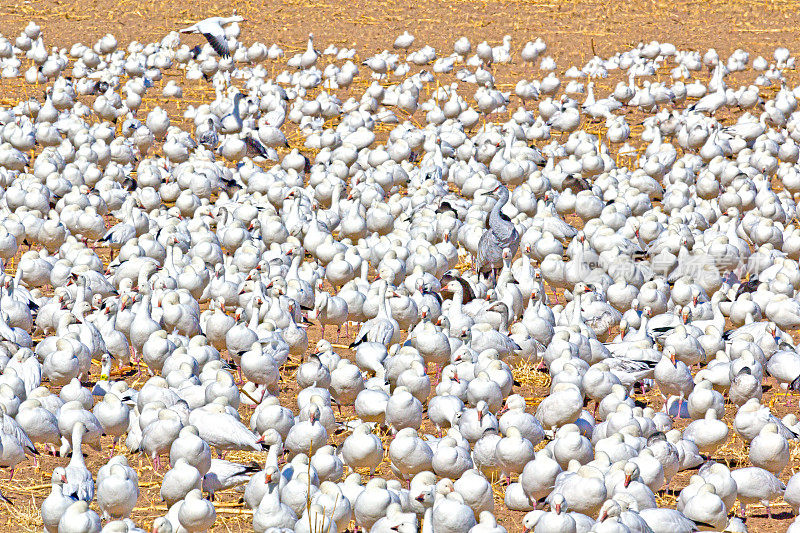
(383, 328)
(179, 481)
(196, 513)
(346, 383)
(56, 503)
(307, 434)
(769, 450)
(539, 475)
(79, 483)
(213, 30)
(472, 423)
(78, 518)
(633, 488)
(431, 342)
(114, 416)
(476, 491)
(362, 449)
(226, 474)
(450, 459)
(708, 433)
(192, 448)
(744, 386)
(673, 377)
(556, 519)
(755, 484)
(270, 414)
(372, 503)
(513, 452)
(513, 414)
(117, 493)
(791, 495)
(261, 483)
(752, 417)
(662, 520)
(159, 432)
(403, 410)
(221, 430)
(270, 512)
(38, 423)
(328, 464)
(370, 405)
(451, 515)
(562, 406)
(259, 366)
(409, 454)
(487, 523)
(703, 398)
(706, 508)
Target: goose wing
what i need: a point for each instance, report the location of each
(215, 36)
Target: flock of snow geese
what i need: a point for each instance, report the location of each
(160, 281)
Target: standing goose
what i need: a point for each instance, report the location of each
(382, 329)
(756, 485)
(79, 484)
(56, 503)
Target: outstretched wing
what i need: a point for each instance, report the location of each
(218, 42)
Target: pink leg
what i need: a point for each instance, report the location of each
(323, 330)
(10, 477)
(742, 509)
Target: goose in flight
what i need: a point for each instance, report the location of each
(212, 30)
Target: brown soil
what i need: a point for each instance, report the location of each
(574, 31)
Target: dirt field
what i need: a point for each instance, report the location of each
(574, 32)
